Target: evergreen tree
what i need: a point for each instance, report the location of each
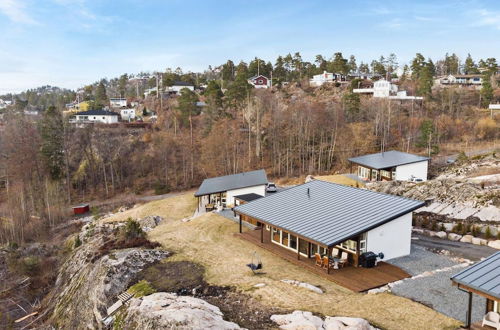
(469, 66)
(352, 64)
(228, 70)
(339, 64)
(426, 79)
(279, 72)
(122, 84)
(52, 146)
(486, 89)
(187, 105)
(416, 66)
(364, 68)
(101, 99)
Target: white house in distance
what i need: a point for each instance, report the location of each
(118, 102)
(260, 81)
(178, 86)
(326, 77)
(385, 89)
(391, 165)
(333, 220)
(96, 116)
(221, 191)
(461, 80)
(127, 114)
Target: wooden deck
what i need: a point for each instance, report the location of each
(478, 326)
(353, 278)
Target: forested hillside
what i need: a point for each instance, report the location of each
(290, 130)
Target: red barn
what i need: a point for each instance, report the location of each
(81, 209)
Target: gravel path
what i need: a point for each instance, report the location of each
(422, 260)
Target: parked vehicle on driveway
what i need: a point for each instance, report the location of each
(271, 187)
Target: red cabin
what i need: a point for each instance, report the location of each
(81, 209)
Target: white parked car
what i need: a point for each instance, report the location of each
(271, 187)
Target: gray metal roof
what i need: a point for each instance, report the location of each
(230, 182)
(387, 159)
(326, 212)
(483, 276)
(248, 197)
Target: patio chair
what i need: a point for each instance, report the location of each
(319, 262)
(492, 319)
(343, 260)
(335, 252)
(327, 262)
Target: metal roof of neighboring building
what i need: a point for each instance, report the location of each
(328, 213)
(96, 113)
(387, 159)
(248, 197)
(230, 182)
(483, 276)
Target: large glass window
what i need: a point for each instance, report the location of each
(276, 235)
(293, 242)
(303, 246)
(284, 238)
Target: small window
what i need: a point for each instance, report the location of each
(268, 227)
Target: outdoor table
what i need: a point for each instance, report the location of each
(335, 262)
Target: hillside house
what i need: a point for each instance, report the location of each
(482, 279)
(385, 89)
(118, 102)
(127, 114)
(329, 219)
(326, 77)
(461, 80)
(178, 86)
(391, 165)
(260, 81)
(96, 116)
(221, 191)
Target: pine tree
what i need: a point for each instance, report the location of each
(101, 99)
(416, 66)
(469, 66)
(52, 147)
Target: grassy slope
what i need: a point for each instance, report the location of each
(340, 179)
(210, 241)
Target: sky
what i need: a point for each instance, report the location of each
(70, 43)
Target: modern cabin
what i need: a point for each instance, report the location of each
(259, 81)
(320, 217)
(221, 191)
(390, 165)
(483, 279)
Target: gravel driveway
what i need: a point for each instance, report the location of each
(436, 290)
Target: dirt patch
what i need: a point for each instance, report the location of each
(187, 278)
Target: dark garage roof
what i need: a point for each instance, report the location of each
(230, 182)
(483, 276)
(248, 197)
(328, 213)
(387, 159)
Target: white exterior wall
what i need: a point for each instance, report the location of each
(260, 190)
(118, 103)
(177, 89)
(393, 239)
(99, 119)
(418, 170)
(127, 114)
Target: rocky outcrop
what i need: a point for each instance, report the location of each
(300, 320)
(494, 244)
(168, 311)
(304, 285)
(91, 279)
(150, 222)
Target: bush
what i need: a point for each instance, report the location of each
(78, 242)
(141, 289)
(442, 227)
(476, 231)
(487, 233)
(161, 188)
(458, 228)
(95, 212)
(462, 157)
(28, 265)
(133, 230)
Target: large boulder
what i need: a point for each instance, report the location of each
(466, 239)
(494, 244)
(304, 285)
(351, 323)
(479, 241)
(149, 222)
(168, 311)
(298, 320)
(454, 237)
(441, 234)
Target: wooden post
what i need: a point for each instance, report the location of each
(261, 232)
(357, 251)
(298, 248)
(308, 250)
(241, 230)
(469, 312)
(198, 207)
(329, 253)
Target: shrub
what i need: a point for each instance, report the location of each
(78, 242)
(434, 226)
(475, 231)
(95, 212)
(161, 188)
(141, 289)
(462, 157)
(458, 228)
(487, 233)
(133, 230)
(442, 227)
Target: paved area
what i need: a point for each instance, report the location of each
(456, 249)
(435, 289)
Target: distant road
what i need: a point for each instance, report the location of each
(472, 153)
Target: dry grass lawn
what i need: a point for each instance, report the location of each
(209, 240)
(171, 208)
(340, 179)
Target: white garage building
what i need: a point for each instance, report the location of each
(97, 116)
(391, 165)
(221, 191)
